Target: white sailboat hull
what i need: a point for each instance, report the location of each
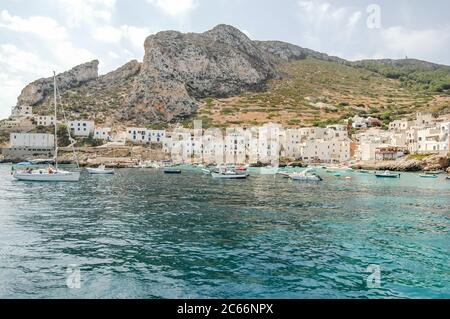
(99, 171)
(305, 178)
(229, 176)
(45, 177)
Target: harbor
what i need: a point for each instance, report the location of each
(141, 233)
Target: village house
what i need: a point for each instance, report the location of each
(42, 120)
(81, 128)
(144, 135)
(22, 111)
(103, 133)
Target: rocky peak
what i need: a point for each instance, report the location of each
(178, 68)
(35, 92)
(290, 52)
(123, 73)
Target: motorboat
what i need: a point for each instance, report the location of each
(101, 170)
(387, 174)
(229, 175)
(172, 171)
(284, 174)
(428, 176)
(306, 175)
(434, 172)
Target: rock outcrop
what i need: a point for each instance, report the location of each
(123, 73)
(180, 68)
(36, 92)
(430, 163)
(290, 52)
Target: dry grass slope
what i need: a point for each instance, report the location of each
(321, 92)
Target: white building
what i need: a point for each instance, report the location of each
(103, 133)
(81, 128)
(400, 125)
(9, 124)
(359, 122)
(433, 140)
(32, 140)
(22, 111)
(143, 135)
(42, 120)
(424, 119)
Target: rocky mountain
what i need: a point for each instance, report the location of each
(180, 68)
(35, 92)
(179, 71)
(290, 52)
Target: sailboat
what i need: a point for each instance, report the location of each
(51, 174)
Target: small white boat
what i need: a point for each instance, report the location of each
(307, 176)
(428, 176)
(284, 174)
(101, 170)
(229, 174)
(387, 174)
(206, 171)
(50, 175)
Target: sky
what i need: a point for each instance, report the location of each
(39, 36)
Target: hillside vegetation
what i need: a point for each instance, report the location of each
(323, 92)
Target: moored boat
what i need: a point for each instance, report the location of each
(52, 174)
(49, 175)
(428, 176)
(229, 175)
(101, 170)
(206, 171)
(307, 176)
(387, 174)
(173, 171)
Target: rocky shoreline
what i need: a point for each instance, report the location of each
(427, 164)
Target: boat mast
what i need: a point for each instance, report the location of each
(56, 120)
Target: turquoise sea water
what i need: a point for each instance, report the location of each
(143, 234)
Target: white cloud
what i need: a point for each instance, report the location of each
(415, 43)
(125, 33)
(18, 67)
(354, 19)
(20, 61)
(175, 8)
(88, 12)
(135, 35)
(107, 34)
(43, 27)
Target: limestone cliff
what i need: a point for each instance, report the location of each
(36, 92)
(179, 68)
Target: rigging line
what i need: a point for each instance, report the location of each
(72, 141)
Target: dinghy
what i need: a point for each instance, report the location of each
(172, 171)
(101, 170)
(428, 176)
(306, 176)
(387, 174)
